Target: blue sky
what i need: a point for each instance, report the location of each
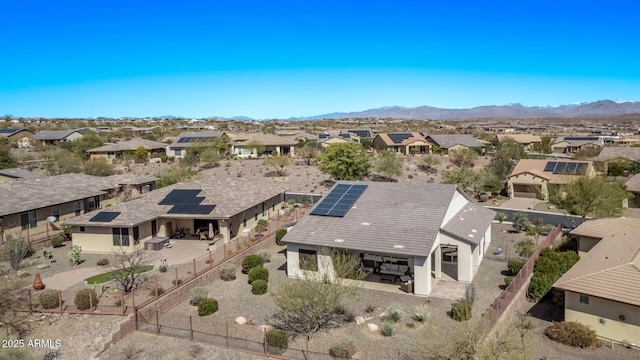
(279, 59)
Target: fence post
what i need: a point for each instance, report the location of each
(226, 329)
(156, 286)
(194, 268)
(157, 323)
(122, 302)
(177, 283)
(135, 311)
(264, 341)
(190, 328)
(30, 302)
(210, 261)
(91, 302)
(133, 299)
(60, 300)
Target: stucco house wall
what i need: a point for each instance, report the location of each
(529, 180)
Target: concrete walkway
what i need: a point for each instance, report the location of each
(67, 279)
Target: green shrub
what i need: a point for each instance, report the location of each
(258, 273)
(514, 265)
(57, 241)
(228, 272)
(103, 262)
(525, 248)
(74, 255)
(262, 225)
(259, 287)
(549, 267)
(152, 292)
(85, 298)
(279, 235)
(508, 280)
(162, 269)
(251, 261)
(573, 334)
(197, 294)
(394, 314)
(277, 341)
(461, 311)
(264, 254)
(176, 282)
(49, 299)
(207, 306)
(343, 349)
(388, 328)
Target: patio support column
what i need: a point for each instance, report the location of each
(438, 253)
(422, 275)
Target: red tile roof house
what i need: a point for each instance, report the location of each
(533, 178)
(417, 230)
(402, 143)
(602, 290)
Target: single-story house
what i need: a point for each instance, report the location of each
(178, 148)
(616, 153)
(229, 207)
(602, 290)
(114, 151)
(242, 145)
(526, 140)
(417, 230)
(532, 178)
(401, 143)
(55, 136)
(15, 174)
(18, 137)
(326, 140)
(27, 206)
(456, 143)
(572, 144)
(633, 185)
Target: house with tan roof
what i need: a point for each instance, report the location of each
(416, 234)
(602, 290)
(178, 148)
(526, 140)
(228, 207)
(401, 143)
(115, 151)
(534, 178)
(572, 144)
(52, 137)
(622, 154)
(633, 185)
(243, 146)
(456, 143)
(15, 174)
(18, 137)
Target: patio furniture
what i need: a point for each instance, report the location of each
(407, 286)
(388, 277)
(393, 269)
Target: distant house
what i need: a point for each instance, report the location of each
(114, 151)
(326, 140)
(602, 290)
(185, 140)
(15, 174)
(242, 145)
(456, 143)
(401, 143)
(527, 141)
(17, 137)
(56, 136)
(416, 232)
(572, 144)
(26, 205)
(229, 207)
(615, 153)
(533, 178)
(633, 185)
(358, 134)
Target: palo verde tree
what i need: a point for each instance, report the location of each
(389, 164)
(278, 162)
(465, 177)
(6, 159)
(595, 195)
(348, 161)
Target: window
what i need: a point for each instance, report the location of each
(584, 299)
(308, 259)
(83, 229)
(111, 155)
(255, 215)
(264, 208)
(154, 228)
(178, 152)
(120, 236)
(55, 211)
(145, 189)
(94, 203)
(29, 220)
(77, 207)
(136, 235)
(273, 204)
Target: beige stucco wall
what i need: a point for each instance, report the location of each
(603, 316)
(465, 257)
(11, 223)
(100, 239)
(422, 284)
(528, 179)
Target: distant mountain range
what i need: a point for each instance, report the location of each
(596, 108)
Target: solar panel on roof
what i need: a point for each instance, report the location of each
(105, 216)
(581, 169)
(191, 209)
(571, 168)
(338, 202)
(399, 138)
(581, 138)
(182, 197)
(550, 166)
(560, 168)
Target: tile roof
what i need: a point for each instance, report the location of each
(607, 227)
(521, 138)
(536, 167)
(393, 218)
(230, 197)
(132, 144)
(610, 270)
(447, 141)
(613, 152)
(53, 134)
(264, 139)
(18, 173)
(633, 183)
(194, 134)
(575, 142)
(414, 137)
(5, 133)
(470, 223)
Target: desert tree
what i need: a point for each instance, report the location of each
(463, 158)
(597, 196)
(141, 154)
(126, 268)
(256, 146)
(389, 164)
(278, 162)
(509, 149)
(15, 249)
(6, 159)
(12, 315)
(465, 177)
(98, 167)
(428, 162)
(309, 150)
(61, 161)
(309, 304)
(348, 161)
